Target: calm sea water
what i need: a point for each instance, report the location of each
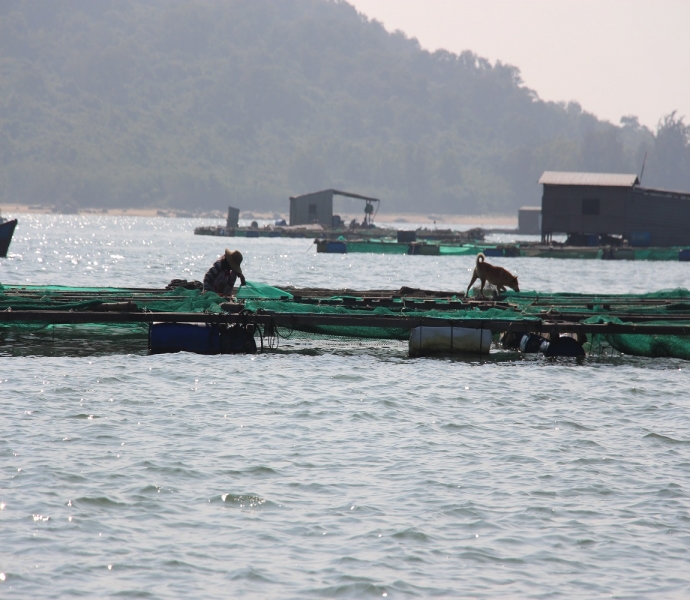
(333, 470)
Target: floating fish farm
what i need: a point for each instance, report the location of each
(183, 318)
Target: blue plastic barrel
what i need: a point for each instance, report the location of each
(200, 338)
(640, 238)
(336, 247)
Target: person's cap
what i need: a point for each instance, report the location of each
(234, 258)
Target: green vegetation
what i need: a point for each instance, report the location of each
(199, 104)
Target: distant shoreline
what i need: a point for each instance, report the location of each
(9, 210)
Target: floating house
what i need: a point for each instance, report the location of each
(317, 207)
(591, 207)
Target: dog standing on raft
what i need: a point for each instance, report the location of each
(497, 276)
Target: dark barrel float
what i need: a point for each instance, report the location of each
(202, 338)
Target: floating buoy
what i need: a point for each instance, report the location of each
(564, 346)
(428, 341)
(531, 343)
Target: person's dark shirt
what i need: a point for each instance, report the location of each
(220, 278)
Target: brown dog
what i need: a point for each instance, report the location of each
(497, 276)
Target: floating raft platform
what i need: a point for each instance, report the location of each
(528, 249)
(361, 234)
(421, 248)
(656, 324)
(309, 322)
(673, 253)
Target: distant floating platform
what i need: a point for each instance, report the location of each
(422, 248)
(361, 234)
(425, 248)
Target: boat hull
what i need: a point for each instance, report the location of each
(6, 233)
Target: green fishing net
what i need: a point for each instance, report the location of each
(663, 307)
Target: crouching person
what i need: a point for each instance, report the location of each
(221, 277)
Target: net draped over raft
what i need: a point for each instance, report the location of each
(669, 307)
(525, 306)
(54, 297)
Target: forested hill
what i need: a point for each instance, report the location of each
(204, 103)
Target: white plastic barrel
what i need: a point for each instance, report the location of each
(425, 341)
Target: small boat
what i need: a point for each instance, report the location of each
(6, 232)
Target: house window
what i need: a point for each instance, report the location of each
(590, 206)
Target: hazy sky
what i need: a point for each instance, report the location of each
(614, 57)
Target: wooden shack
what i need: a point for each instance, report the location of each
(317, 207)
(593, 206)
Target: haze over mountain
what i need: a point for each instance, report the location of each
(569, 49)
(199, 104)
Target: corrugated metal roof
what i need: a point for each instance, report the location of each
(338, 193)
(574, 178)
